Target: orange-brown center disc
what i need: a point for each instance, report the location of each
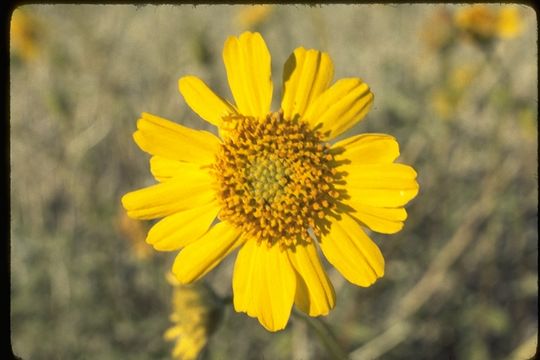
(276, 179)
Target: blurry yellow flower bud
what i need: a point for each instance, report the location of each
(196, 314)
(24, 35)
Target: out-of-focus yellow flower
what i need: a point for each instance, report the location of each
(24, 35)
(438, 31)
(509, 24)
(249, 16)
(134, 232)
(478, 20)
(445, 99)
(485, 22)
(195, 315)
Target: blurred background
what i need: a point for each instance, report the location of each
(456, 85)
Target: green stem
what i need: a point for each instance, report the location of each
(324, 333)
(227, 300)
(321, 329)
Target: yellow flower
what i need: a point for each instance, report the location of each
(250, 16)
(509, 24)
(487, 22)
(438, 31)
(445, 99)
(134, 232)
(279, 189)
(24, 31)
(194, 315)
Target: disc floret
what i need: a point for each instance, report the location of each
(276, 179)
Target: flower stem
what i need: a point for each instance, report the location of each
(324, 333)
(321, 329)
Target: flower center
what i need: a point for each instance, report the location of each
(276, 179)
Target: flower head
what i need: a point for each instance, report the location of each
(24, 34)
(278, 188)
(438, 31)
(195, 312)
(445, 99)
(251, 16)
(485, 23)
(135, 233)
(509, 23)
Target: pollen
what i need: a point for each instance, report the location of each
(276, 179)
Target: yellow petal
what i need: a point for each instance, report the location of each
(377, 175)
(314, 293)
(368, 149)
(383, 220)
(198, 258)
(352, 252)
(172, 333)
(165, 138)
(204, 101)
(247, 279)
(306, 75)
(165, 169)
(380, 185)
(170, 197)
(264, 284)
(248, 64)
(340, 107)
(183, 228)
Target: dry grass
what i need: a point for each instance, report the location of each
(461, 278)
